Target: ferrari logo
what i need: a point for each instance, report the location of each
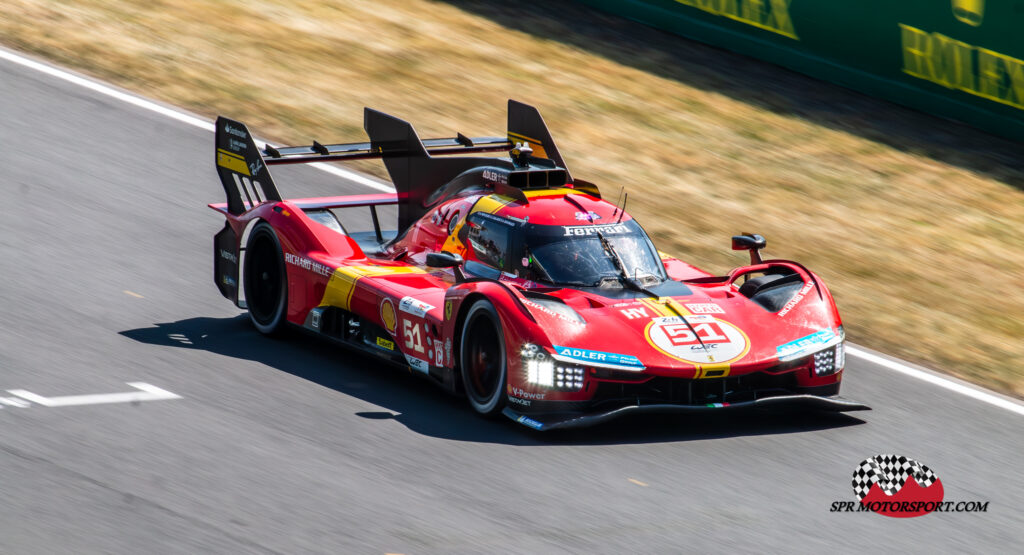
(447, 310)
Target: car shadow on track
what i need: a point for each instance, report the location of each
(758, 83)
(423, 408)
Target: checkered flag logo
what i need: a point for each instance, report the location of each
(890, 472)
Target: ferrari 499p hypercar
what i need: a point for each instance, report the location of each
(513, 283)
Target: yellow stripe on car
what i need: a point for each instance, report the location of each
(343, 281)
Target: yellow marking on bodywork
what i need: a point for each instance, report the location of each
(559, 192)
(537, 146)
(232, 162)
(488, 204)
(343, 281)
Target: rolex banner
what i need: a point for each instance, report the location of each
(962, 59)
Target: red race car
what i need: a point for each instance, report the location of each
(512, 282)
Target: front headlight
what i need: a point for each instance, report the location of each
(544, 371)
(833, 359)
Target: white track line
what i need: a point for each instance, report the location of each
(901, 367)
(172, 113)
(971, 391)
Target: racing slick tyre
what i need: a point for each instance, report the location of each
(266, 282)
(482, 359)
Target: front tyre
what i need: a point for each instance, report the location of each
(266, 283)
(482, 359)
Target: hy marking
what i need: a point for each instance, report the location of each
(362, 180)
(146, 393)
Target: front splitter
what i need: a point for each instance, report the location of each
(561, 421)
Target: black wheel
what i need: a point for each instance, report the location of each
(482, 359)
(266, 283)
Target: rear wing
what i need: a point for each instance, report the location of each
(417, 167)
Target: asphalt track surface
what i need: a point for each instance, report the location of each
(295, 446)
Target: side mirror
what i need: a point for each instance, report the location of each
(749, 242)
(444, 259)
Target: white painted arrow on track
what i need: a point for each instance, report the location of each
(147, 393)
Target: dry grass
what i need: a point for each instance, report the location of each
(916, 224)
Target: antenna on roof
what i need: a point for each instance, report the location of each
(621, 188)
(623, 208)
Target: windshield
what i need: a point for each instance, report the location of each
(575, 255)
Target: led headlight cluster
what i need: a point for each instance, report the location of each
(829, 361)
(541, 370)
(569, 377)
(824, 362)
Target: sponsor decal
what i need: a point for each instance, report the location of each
(448, 351)
(588, 216)
(519, 401)
(438, 353)
(806, 343)
(796, 298)
(526, 394)
(448, 310)
(387, 315)
(414, 306)
(389, 345)
(307, 264)
(255, 167)
(552, 313)
(678, 338)
(971, 12)
(492, 218)
(229, 281)
(705, 308)
(232, 162)
(634, 313)
(530, 422)
(228, 255)
(315, 318)
(769, 15)
(495, 176)
(418, 364)
(240, 133)
(958, 65)
(608, 229)
(236, 145)
(900, 487)
(586, 355)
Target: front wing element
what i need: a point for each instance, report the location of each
(561, 421)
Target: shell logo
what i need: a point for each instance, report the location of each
(387, 315)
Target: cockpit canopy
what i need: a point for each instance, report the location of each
(587, 255)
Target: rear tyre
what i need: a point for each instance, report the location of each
(266, 282)
(482, 359)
